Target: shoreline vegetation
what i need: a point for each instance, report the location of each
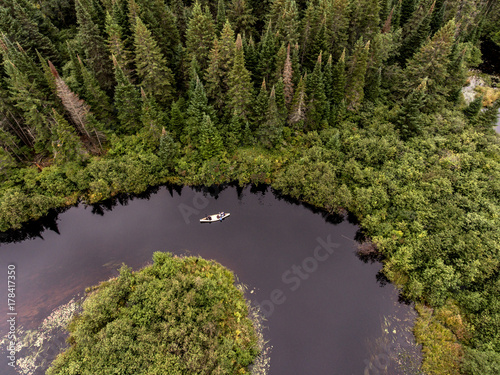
(349, 105)
(179, 315)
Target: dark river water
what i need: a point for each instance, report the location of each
(327, 311)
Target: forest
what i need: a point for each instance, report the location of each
(349, 105)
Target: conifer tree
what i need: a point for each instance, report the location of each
(176, 121)
(220, 63)
(79, 112)
(209, 142)
(280, 98)
(240, 15)
(364, 20)
(179, 11)
(474, 108)
(337, 25)
(457, 72)
(280, 63)
(200, 35)
(260, 106)
(270, 132)
(328, 79)
(65, 143)
(155, 76)
(288, 78)
(298, 110)
(127, 102)
(97, 99)
(432, 61)
(285, 17)
(240, 84)
(94, 46)
(267, 54)
(407, 9)
(221, 15)
(116, 45)
(438, 15)
(339, 81)
(409, 117)
(168, 150)
(153, 118)
(198, 107)
(316, 98)
(310, 26)
(396, 15)
(355, 89)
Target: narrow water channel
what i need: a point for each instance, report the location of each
(327, 311)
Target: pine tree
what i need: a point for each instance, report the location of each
(270, 132)
(240, 84)
(127, 102)
(288, 78)
(298, 110)
(65, 143)
(155, 76)
(267, 54)
(240, 15)
(200, 35)
(357, 72)
(197, 108)
(94, 46)
(316, 98)
(209, 142)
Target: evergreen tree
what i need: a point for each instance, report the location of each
(155, 76)
(285, 17)
(97, 99)
(355, 89)
(280, 63)
(179, 11)
(65, 143)
(457, 72)
(209, 141)
(288, 78)
(270, 132)
(310, 27)
(153, 118)
(409, 116)
(116, 45)
(432, 61)
(267, 54)
(168, 150)
(221, 15)
(197, 108)
(328, 79)
(396, 15)
(220, 63)
(474, 108)
(94, 46)
(364, 20)
(407, 9)
(438, 15)
(280, 98)
(316, 98)
(339, 81)
(298, 110)
(176, 121)
(337, 25)
(240, 15)
(240, 84)
(260, 106)
(127, 102)
(200, 35)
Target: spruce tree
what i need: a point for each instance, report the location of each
(240, 15)
(198, 107)
(176, 122)
(153, 119)
(285, 17)
(316, 98)
(267, 54)
(270, 132)
(337, 25)
(260, 106)
(355, 89)
(339, 81)
(409, 117)
(209, 142)
(221, 15)
(94, 46)
(240, 84)
(65, 143)
(155, 76)
(116, 45)
(432, 61)
(298, 111)
(200, 35)
(364, 20)
(127, 102)
(280, 63)
(288, 78)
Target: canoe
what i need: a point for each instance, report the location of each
(214, 218)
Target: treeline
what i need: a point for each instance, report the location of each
(348, 104)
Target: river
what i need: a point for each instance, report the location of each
(327, 311)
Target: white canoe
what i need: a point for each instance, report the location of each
(214, 218)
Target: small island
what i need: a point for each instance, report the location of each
(180, 315)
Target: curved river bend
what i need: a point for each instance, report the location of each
(326, 311)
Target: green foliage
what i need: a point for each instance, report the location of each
(177, 316)
(240, 84)
(200, 35)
